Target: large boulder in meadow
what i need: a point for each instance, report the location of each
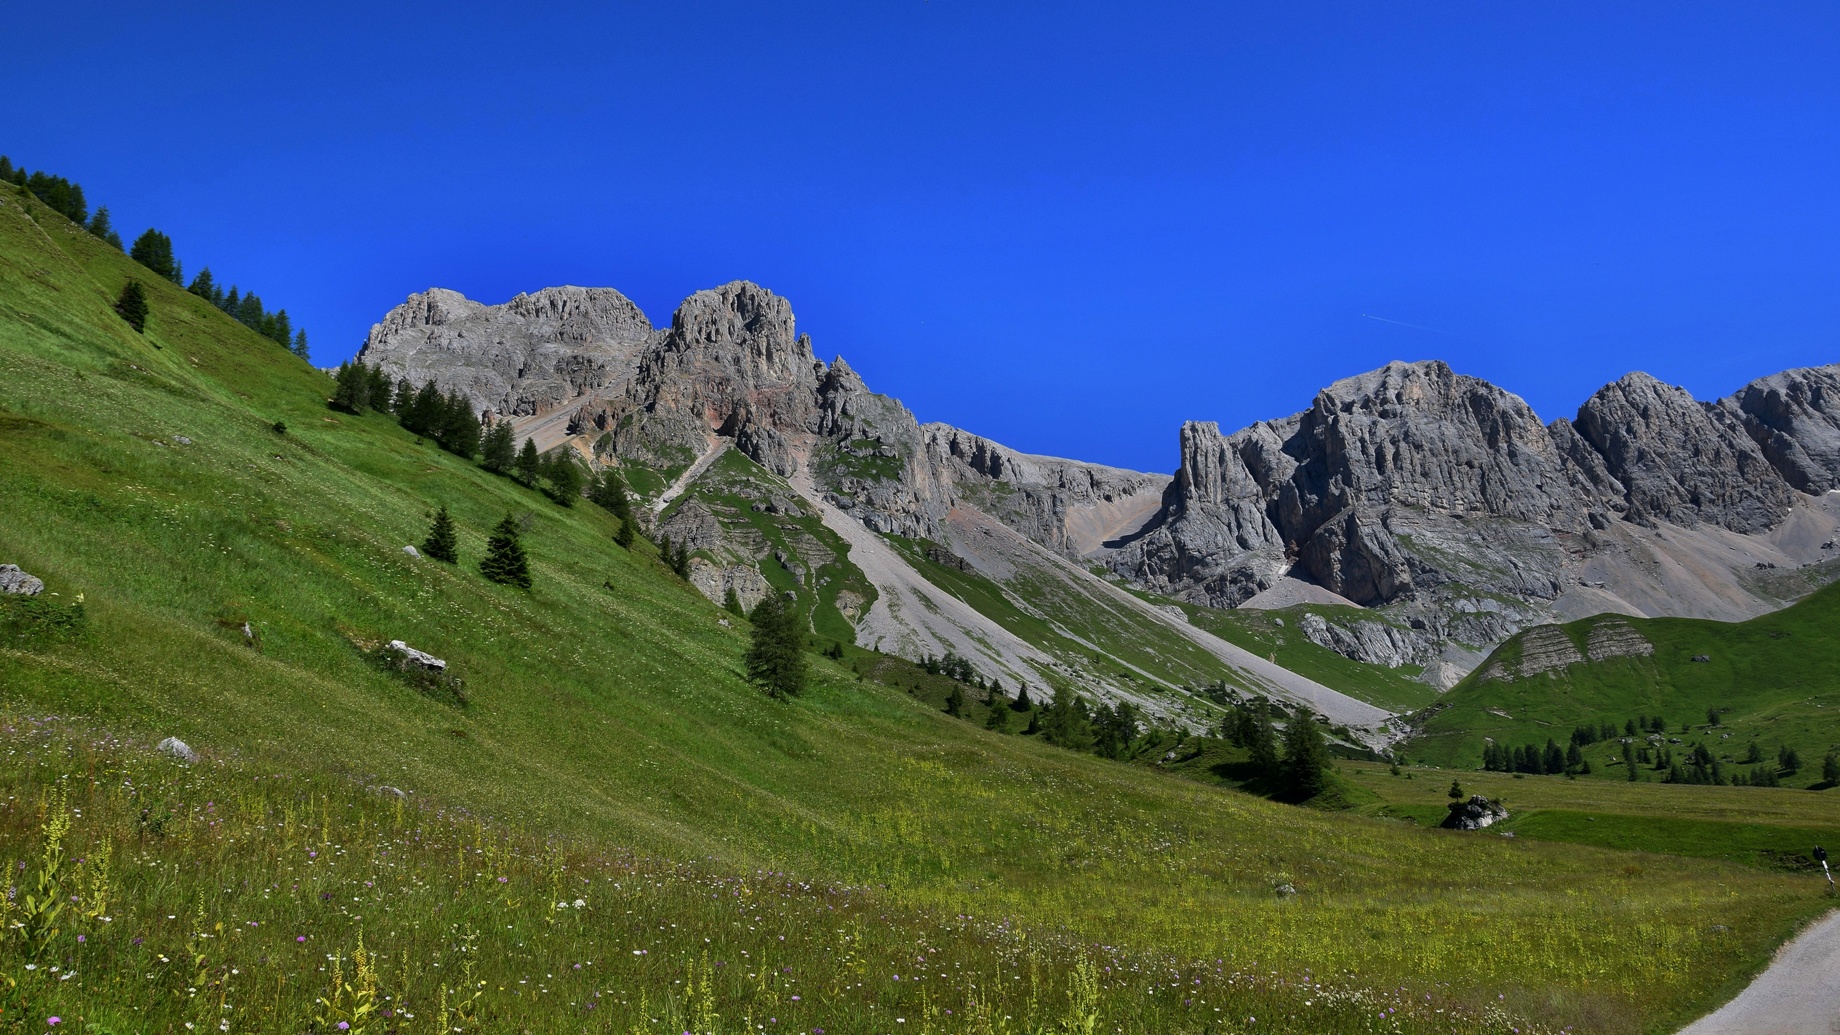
(178, 749)
(1474, 814)
(14, 581)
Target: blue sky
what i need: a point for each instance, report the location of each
(1066, 226)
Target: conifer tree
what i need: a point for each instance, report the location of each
(529, 463)
(299, 347)
(998, 719)
(564, 477)
(1303, 773)
(680, 562)
(1022, 702)
(955, 702)
(1456, 791)
(775, 658)
(441, 544)
(608, 492)
(402, 397)
(730, 601)
(1065, 724)
(1830, 769)
(204, 285)
(504, 561)
(132, 305)
(99, 225)
(499, 449)
(423, 417)
(459, 433)
(1034, 726)
(154, 250)
(351, 389)
(625, 536)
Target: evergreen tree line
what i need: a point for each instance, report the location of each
(246, 309)
(154, 250)
(1552, 760)
(1301, 772)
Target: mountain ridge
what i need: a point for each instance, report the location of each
(1436, 497)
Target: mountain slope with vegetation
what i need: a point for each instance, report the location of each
(1668, 685)
(223, 557)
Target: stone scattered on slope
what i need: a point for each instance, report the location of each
(1474, 814)
(412, 551)
(17, 582)
(178, 749)
(408, 655)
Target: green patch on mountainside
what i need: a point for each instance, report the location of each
(771, 528)
(1275, 635)
(1773, 680)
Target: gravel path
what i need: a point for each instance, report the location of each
(1798, 995)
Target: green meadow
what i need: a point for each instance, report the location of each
(740, 863)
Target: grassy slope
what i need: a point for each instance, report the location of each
(608, 703)
(1274, 634)
(1777, 676)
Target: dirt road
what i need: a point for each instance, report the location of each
(1798, 995)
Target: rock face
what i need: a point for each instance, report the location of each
(1445, 500)
(1680, 461)
(17, 582)
(1794, 417)
(527, 356)
(1474, 814)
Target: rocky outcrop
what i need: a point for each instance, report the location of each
(1794, 417)
(16, 582)
(530, 355)
(1613, 637)
(1681, 461)
(1474, 814)
(406, 656)
(1369, 640)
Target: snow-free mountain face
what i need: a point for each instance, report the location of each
(1439, 503)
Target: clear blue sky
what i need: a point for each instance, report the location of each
(1067, 226)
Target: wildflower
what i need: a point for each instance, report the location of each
(54, 1021)
(344, 1025)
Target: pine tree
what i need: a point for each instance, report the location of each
(564, 476)
(351, 388)
(680, 562)
(154, 250)
(625, 536)
(440, 543)
(730, 602)
(505, 562)
(1456, 791)
(608, 492)
(132, 305)
(299, 348)
(1022, 702)
(204, 285)
(1304, 771)
(529, 464)
(499, 449)
(423, 417)
(1263, 744)
(775, 658)
(99, 225)
(459, 432)
(998, 719)
(955, 702)
(1065, 724)
(1830, 769)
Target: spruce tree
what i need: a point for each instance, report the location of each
(625, 536)
(608, 492)
(1304, 771)
(681, 563)
(1830, 769)
(730, 601)
(955, 702)
(529, 463)
(564, 476)
(1262, 746)
(1022, 702)
(100, 226)
(204, 285)
(1456, 791)
(154, 250)
(423, 417)
(351, 388)
(403, 397)
(376, 388)
(299, 348)
(441, 544)
(459, 426)
(132, 305)
(504, 561)
(998, 719)
(775, 658)
(499, 449)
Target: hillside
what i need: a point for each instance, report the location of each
(1771, 679)
(189, 484)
